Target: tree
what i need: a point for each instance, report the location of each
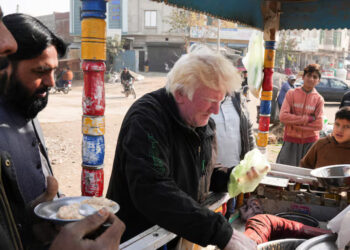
(113, 46)
(284, 55)
(180, 22)
(187, 22)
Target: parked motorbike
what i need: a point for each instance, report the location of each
(129, 88)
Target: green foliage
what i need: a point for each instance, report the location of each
(180, 21)
(113, 47)
(284, 50)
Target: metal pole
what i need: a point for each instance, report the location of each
(271, 14)
(93, 53)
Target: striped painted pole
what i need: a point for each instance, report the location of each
(266, 95)
(93, 52)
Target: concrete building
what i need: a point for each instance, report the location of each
(329, 48)
(148, 35)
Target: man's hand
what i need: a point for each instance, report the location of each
(252, 174)
(44, 231)
(239, 241)
(72, 235)
(49, 194)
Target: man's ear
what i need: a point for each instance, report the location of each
(179, 96)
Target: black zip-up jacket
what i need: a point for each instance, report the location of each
(161, 170)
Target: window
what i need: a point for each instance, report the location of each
(151, 18)
(335, 83)
(323, 83)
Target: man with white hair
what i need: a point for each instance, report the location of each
(164, 159)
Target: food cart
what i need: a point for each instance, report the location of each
(285, 189)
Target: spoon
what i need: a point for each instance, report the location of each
(86, 210)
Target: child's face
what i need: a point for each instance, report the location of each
(341, 130)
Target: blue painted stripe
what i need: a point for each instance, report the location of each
(265, 107)
(93, 150)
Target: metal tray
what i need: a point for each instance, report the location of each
(48, 210)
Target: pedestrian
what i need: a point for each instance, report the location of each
(301, 113)
(164, 159)
(234, 135)
(345, 101)
(245, 87)
(67, 77)
(334, 148)
(72, 236)
(284, 89)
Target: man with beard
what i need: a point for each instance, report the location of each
(22, 96)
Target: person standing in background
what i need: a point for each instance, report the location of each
(301, 113)
(234, 135)
(284, 89)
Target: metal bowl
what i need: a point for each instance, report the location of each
(48, 210)
(335, 177)
(286, 244)
(322, 242)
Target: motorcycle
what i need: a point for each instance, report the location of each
(129, 88)
(62, 87)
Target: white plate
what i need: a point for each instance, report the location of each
(48, 210)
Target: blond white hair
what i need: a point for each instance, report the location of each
(202, 66)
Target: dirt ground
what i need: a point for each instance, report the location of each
(61, 123)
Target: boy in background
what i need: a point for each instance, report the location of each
(301, 113)
(333, 149)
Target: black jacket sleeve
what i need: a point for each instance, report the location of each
(219, 179)
(156, 195)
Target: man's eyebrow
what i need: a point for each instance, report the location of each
(45, 68)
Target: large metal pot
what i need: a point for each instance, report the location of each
(286, 244)
(335, 177)
(322, 242)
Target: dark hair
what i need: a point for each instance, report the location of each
(311, 68)
(32, 37)
(343, 113)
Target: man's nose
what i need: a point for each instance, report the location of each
(49, 81)
(215, 107)
(8, 44)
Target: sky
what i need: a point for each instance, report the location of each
(34, 7)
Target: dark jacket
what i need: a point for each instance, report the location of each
(125, 76)
(9, 236)
(161, 170)
(246, 125)
(21, 138)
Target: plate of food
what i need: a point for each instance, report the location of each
(64, 210)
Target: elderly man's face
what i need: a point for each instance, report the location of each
(8, 46)
(205, 101)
